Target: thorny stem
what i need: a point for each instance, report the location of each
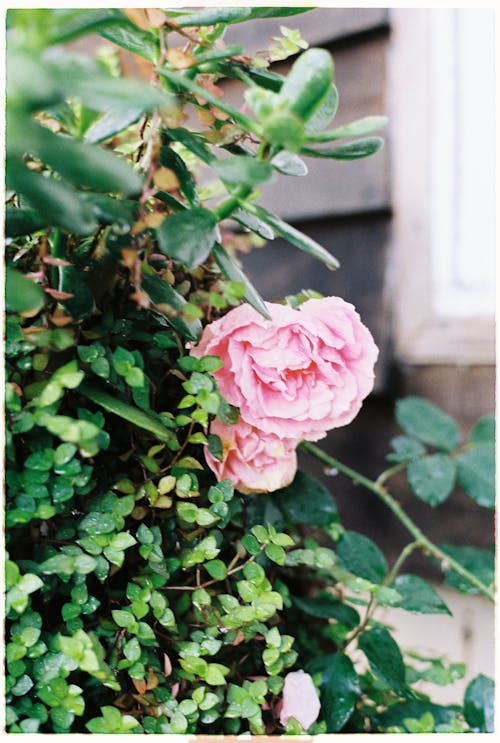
(424, 543)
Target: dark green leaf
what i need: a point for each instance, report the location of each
(113, 122)
(56, 200)
(484, 431)
(110, 210)
(132, 38)
(297, 238)
(396, 715)
(68, 24)
(339, 692)
(479, 704)
(476, 474)
(351, 151)
(361, 556)
(82, 163)
(188, 236)
(405, 449)
(194, 141)
(242, 170)
(82, 304)
(211, 16)
(432, 478)
(22, 221)
(149, 421)
(423, 420)
(384, 657)
(161, 293)
(418, 596)
(479, 562)
(21, 294)
(306, 501)
(170, 159)
(289, 163)
(253, 223)
(327, 606)
(233, 272)
(215, 446)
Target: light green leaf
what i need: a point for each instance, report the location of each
(432, 478)
(22, 295)
(242, 170)
(476, 474)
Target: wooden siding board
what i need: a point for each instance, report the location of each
(319, 26)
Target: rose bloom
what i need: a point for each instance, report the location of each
(300, 699)
(298, 375)
(253, 461)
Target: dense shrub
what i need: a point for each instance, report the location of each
(142, 594)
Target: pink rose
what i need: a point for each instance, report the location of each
(253, 461)
(298, 375)
(300, 699)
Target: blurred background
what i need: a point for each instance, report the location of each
(414, 229)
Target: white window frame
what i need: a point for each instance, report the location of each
(441, 291)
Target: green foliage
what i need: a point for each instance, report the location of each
(142, 596)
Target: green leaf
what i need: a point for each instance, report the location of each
(170, 159)
(476, 474)
(418, 596)
(327, 606)
(82, 303)
(306, 501)
(110, 210)
(68, 24)
(432, 478)
(479, 704)
(362, 557)
(233, 272)
(22, 221)
(297, 238)
(479, 562)
(384, 657)
(339, 692)
(81, 163)
(351, 151)
(149, 421)
(308, 83)
(56, 200)
(242, 170)
(216, 569)
(211, 16)
(406, 449)
(113, 122)
(21, 294)
(132, 38)
(397, 714)
(324, 114)
(423, 420)
(288, 163)
(484, 431)
(194, 141)
(160, 293)
(275, 553)
(188, 236)
(358, 128)
(253, 223)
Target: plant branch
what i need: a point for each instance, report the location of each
(424, 543)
